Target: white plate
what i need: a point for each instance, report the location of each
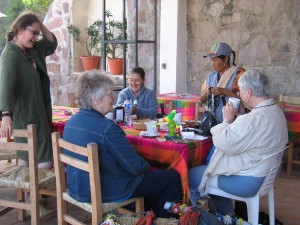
(146, 135)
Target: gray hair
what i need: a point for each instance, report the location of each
(92, 83)
(256, 81)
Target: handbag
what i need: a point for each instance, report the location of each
(208, 120)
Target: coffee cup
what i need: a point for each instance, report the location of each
(235, 103)
(178, 118)
(152, 128)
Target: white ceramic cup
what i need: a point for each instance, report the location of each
(152, 128)
(178, 118)
(110, 116)
(235, 103)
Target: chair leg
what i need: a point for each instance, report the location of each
(139, 205)
(21, 198)
(271, 206)
(290, 158)
(253, 209)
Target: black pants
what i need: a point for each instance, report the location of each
(157, 188)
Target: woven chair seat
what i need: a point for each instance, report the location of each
(18, 177)
(107, 207)
(8, 155)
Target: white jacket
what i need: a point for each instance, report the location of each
(245, 142)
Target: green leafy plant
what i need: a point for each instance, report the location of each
(114, 31)
(92, 42)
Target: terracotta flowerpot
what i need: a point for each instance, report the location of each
(116, 66)
(90, 62)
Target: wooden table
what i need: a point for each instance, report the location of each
(187, 104)
(162, 155)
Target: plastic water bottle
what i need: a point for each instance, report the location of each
(128, 112)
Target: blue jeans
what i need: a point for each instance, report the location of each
(157, 188)
(244, 186)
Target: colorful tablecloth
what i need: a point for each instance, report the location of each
(168, 154)
(292, 113)
(60, 115)
(162, 155)
(184, 103)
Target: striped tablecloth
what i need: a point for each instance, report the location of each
(168, 154)
(183, 103)
(162, 155)
(59, 118)
(292, 113)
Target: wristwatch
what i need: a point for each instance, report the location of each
(6, 114)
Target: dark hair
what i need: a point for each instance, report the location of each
(223, 58)
(23, 21)
(140, 71)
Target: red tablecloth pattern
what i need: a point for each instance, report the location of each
(292, 113)
(162, 155)
(168, 154)
(184, 103)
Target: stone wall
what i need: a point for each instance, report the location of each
(264, 33)
(62, 64)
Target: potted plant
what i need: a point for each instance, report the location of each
(114, 31)
(91, 42)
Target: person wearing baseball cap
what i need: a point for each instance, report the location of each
(221, 83)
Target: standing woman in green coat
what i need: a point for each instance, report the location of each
(25, 85)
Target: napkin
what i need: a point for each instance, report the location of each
(192, 136)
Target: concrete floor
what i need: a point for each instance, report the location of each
(286, 191)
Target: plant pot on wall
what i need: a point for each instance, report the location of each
(116, 66)
(90, 62)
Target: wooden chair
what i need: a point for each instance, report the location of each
(199, 109)
(72, 100)
(96, 207)
(291, 152)
(8, 155)
(26, 178)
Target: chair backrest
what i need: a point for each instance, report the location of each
(289, 99)
(72, 100)
(91, 166)
(199, 110)
(31, 148)
(268, 168)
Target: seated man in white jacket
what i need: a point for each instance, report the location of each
(243, 142)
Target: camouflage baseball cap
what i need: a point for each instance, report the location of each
(219, 48)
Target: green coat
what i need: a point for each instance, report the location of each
(25, 91)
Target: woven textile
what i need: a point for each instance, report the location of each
(107, 207)
(18, 177)
(8, 155)
(292, 113)
(169, 154)
(183, 103)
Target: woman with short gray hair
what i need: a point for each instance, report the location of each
(256, 81)
(243, 142)
(92, 84)
(124, 174)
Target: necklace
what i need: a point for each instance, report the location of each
(263, 106)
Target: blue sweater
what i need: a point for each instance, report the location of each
(121, 168)
(147, 102)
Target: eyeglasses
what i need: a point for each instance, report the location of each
(134, 81)
(110, 94)
(34, 32)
